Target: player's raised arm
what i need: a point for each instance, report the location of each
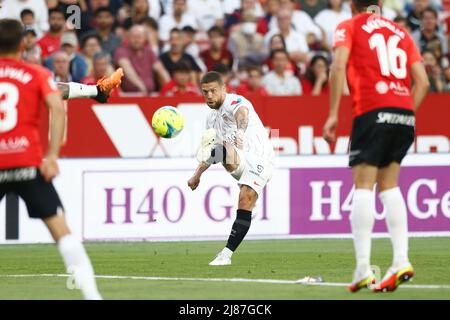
(49, 166)
(337, 81)
(241, 117)
(421, 83)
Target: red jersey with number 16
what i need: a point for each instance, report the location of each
(23, 88)
(378, 70)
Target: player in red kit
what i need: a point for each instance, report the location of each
(380, 58)
(24, 169)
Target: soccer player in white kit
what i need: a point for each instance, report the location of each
(236, 138)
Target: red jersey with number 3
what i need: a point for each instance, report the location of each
(23, 88)
(378, 70)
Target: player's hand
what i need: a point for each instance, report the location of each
(322, 77)
(49, 168)
(194, 182)
(239, 139)
(329, 130)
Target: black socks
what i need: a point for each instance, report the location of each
(239, 229)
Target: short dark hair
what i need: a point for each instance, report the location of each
(276, 51)
(88, 36)
(362, 5)
(399, 19)
(11, 35)
(56, 10)
(221, 68)
(175, 30)
(149, 21)
(216, 29)
(182, 66)
(25, 12)
(189, 29)
(212, 76)
(254, 68)
(432, 10)
(101, 10)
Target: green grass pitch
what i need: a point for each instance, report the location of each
(269, 259)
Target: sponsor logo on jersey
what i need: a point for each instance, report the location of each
(396, 118)
(382, 87)
(12, 145)
(18, 175)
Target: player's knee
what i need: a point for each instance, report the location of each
(247, 198)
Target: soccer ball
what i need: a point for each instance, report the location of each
(167, 122)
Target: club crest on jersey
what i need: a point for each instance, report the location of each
(236, 102)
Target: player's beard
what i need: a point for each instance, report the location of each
(214, 105)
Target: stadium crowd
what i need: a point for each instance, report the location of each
(265, 47)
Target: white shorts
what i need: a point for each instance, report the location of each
(253, 171)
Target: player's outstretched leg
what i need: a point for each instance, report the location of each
(74, 255)
(397, 223)
(99, 92)
(362, 221)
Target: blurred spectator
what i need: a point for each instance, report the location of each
(31, 51)
(101, 67)
(414, 17)
(245, 44)
(396, 5)
(50, 42)
(90, 45)
(227, 76)
(402, 22)
(296, 44)
(151, 30)
(246, 6)
(155, 9)
(447, 79)
(178, 19)
(28, 20)
(139, 10)
(300, 22)
(217, 53)
(181, 84)
(279, 82)
(315, 81)
(429, 37)
(188, 39)
(434, 72)
(312, 7)
(329, 18)
(277, 42)
(139, 64)
(78, 66)
(253, 84)
(191, 47)
(177, 54)
(208, 13)
(387, 11)
(61, 67)
(104, 21)
(13, 8)
(271, 9)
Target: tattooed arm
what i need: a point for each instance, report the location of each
(241, 117)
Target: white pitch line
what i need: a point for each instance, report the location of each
(273, 281)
